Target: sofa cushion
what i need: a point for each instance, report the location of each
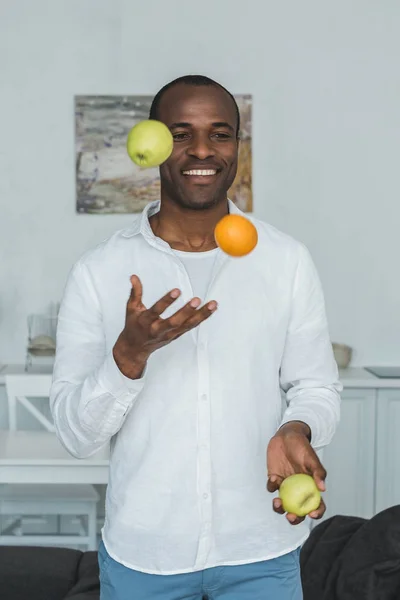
(40, 573)
(88, 585)
(349, 558)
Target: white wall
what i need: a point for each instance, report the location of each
(326, 88)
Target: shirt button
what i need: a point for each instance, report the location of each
(204, 397)
(205, 496)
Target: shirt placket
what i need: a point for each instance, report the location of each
(204, 454)
(204, 435)
(203, 420)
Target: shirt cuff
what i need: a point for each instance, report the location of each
(115, 382)
(308, 419)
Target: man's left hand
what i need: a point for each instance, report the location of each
(290, 452)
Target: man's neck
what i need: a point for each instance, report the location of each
(185, 229)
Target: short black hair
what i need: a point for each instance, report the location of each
(198, 80)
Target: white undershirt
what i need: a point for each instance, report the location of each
(199, 266)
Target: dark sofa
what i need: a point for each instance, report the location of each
(345, 558)
(349, 558)
(39, 573)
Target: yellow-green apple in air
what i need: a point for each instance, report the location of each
(149, 143)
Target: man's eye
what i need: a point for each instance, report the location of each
(222, 136)
(180, 136)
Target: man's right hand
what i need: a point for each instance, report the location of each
(145, 331)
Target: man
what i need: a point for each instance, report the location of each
(175, 353)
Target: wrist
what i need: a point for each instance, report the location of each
(129, 361)
(296, 427)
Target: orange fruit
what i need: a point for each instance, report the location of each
(236, 235)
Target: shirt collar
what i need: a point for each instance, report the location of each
(142, 224)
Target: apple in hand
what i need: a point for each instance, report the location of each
(149, 143)
(299, 494)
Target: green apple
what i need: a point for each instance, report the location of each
(149, 143)
(299, 494)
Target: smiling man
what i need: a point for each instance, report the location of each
(175, 354)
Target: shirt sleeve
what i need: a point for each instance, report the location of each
(90, 397)
(309, 373)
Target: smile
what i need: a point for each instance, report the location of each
(200, 172)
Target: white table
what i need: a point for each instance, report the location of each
(18, 369)
(39, 457)
(353, 377)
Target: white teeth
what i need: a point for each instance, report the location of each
(202, 173)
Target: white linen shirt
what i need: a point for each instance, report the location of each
(188, 440)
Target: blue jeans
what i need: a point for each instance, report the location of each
(275, 579)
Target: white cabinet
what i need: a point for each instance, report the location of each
(363, 460)
(388, 449)
(350, 458)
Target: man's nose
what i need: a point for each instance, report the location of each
(201, 147)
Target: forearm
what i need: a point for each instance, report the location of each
(309, 373)
(89, 412)
(90, 397)
(318, 408)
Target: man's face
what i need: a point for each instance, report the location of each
(203, 163)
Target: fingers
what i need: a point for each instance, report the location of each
(294, 519)
(188, 317)
(136, 291)
(319, 478)
(161, 305)
(274, 483)
(277, 506)
(200, 315)
(314, 468)
(319, 475)
(319, 513)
